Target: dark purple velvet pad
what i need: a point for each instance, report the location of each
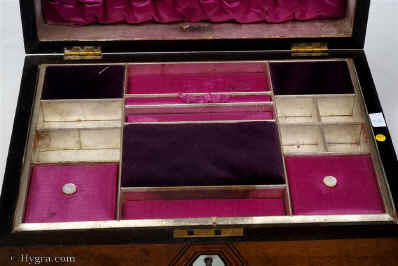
(201, 155)
(327, 77)
(83, 82)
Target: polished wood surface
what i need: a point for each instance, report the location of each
(350, 252)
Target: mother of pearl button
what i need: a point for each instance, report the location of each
(330, 181)
(69, 189)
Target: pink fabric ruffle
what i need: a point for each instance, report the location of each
(84, 12)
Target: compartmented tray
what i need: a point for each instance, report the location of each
(182, 144)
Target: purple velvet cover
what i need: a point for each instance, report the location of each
(171, 209)
(83, 82)
(201, 155)
(95, 198)
(356, 191)
(327, 77)
(137, 11)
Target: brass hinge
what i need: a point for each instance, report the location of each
(198, 233)
(82, 53)
(310, 49)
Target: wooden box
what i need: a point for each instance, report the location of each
(196, 121)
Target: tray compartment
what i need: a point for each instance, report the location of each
(77, 145)
(311, 78)
(80, 113)
(296, 109)
(82, 96)
(197, 78)
(83, 82)
(95, 198)
(197, 98)
(302, 139)
(356, 191)
(194, 203)
(339, 108)
(201, 112)
(322, 138)
(201, 154)
(346, 138)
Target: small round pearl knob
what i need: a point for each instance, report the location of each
(69, 189)
(330, 181)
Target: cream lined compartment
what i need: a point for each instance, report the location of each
(325, 139)
(76, 150)
(80, 112)
(138, 142)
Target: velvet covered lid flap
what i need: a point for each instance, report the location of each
(178, 25)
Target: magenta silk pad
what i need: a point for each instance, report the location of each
(301, 78)
(95, 198)
(169, 209)
(165, 11)
(356, 191)
(201, 154)
(83, 82)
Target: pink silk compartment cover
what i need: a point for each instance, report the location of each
(164, 11)
(200, 116)
(196, 82)
(195, 99)
(169, 209)
(95, 198)
(216, 83)
(356, 191)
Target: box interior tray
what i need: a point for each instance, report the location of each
(135, 142)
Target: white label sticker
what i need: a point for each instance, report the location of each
(377, 120)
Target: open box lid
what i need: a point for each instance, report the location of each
(49, 28)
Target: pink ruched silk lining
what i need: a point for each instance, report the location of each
(83, 12)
